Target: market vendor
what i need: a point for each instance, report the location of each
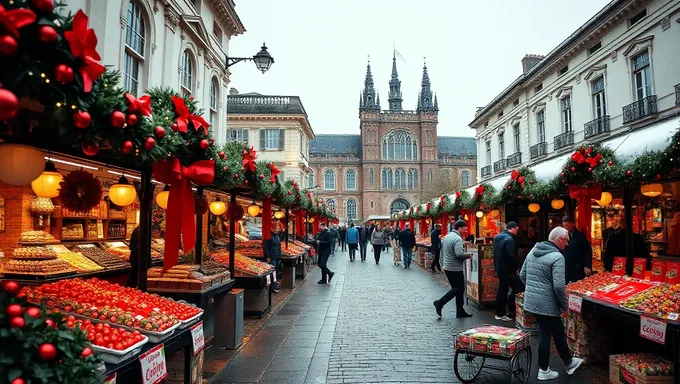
(578, 254)
(616, 247)
(272, 251)
(134, 259)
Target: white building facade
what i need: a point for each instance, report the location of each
(180, 44)
(619, 73)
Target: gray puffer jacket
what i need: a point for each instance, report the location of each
(543, 274)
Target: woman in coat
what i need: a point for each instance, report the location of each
(378, 241)
(394, 240)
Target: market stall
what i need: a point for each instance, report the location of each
(482, 283)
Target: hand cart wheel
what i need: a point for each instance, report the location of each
(520, 366)
(467, 366)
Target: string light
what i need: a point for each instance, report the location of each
(73, 106)
(58, 105)
(42, 75)
(30, 73)
(47, 81)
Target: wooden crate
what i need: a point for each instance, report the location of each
(621, 375)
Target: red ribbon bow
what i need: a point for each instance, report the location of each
(520, 180)
(594, 161)
(479, 191)
(141, 105)
(181, 208)
(184, 117)
(275, 172)
(249, 157)
(83, 42)
(514, 174)
(583, 195)
(14, 19)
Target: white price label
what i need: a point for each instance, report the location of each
(575, 303)
(269, 280)
(154, 369)
(653, 329)
(139, 317)
(673, 316)
(274, 276)
(197, 337)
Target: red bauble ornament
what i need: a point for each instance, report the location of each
(290, 193)
(150, 143)
(90, 149)
(222, 155)
(132, 119)
(261, 177)
(63, 74)
(212, 141)
(563, 174)
(159, 132)
(226, 169)
(18, 380)
(9, 104)
(14, 310)
(8, 45)
(43, 5)
(33, 312)
(531, 182)
(117, 119)
(82, 119)
(50, 323)
(235, 176)
(11, 287)
(610, 163)
(87, 351)
(204, 144)
(47, 352)
(47, 34)
(573, 169)
(590, 170)
(17, 322)
(174, 126)
(629, 173)
(127, 147)
(658, 177)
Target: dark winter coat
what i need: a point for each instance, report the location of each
(324, 238)
(505, 255)
(435, 240)
(407, 239)
(577, 255)
(272, 247)
(364, 234)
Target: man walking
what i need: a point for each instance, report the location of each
(334, 237)
(272, 252)
(435, 248)
(341, 234)
(505, 264)
(324, 244)
(454, 258)
(578, 255)
(364, 236)
(546, 298)
(352, 239)
(407, 240)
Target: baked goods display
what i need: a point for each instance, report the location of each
(292, 251)
(42, 206)
(34, 253)
(37, 267)
(187, 277)
(79, 262)
(72, 232)
(116, 230)
(115, 214)
(119, 250)
(241, 263)
(100, 256)
(36, 237)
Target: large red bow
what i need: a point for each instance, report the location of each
(83, 42)
(275, 171)
(184, 117)
(181, 209)
(594, 161)
(583, 195)
(249, 157)
(514, 174)
(479, 191)
(141, 105)
(14, 19)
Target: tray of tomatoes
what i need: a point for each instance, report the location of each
(112, 344)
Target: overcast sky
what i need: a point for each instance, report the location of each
(473, 51)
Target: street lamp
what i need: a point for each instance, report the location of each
(263, 60)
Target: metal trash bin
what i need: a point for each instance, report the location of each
(229, 320)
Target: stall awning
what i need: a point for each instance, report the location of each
(653, 138)
(377, 218)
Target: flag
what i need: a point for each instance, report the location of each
(399, 55)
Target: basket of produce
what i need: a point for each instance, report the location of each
(641, 368)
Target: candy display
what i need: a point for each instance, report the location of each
(37, 267)
(119, 250)
(79, 262)
(36, 237)
(72, 232)
(587, 337)
(37, 253)
(591, 283)
(425, 241)
(105, 336)
(643, 363)
(257, 244)
(251, 252)
(241, 263)
(187, 276)
(100, 256)
(493, 340)
(660, 301)
(292, 251)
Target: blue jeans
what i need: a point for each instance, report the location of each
(333, 247)
(407, 256)
(276, 263)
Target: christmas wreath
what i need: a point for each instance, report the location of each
(201, 204)
(80, 191)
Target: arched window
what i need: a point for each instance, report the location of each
(412, 178)
(400, 179)
(310, 180)
(214, 86)
(329, 180)
(331, 204)
(465, 178)
(187, 73)
(351, 209)
(399, 145)
(386, 178)
(399, 205)
(351, 180)
(371, 177)
(134, 48)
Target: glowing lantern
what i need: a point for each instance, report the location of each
(311, 219)
(253, 209)
(217, 207)
(605, 199)
(47, 184)
(20, 164)
(557, 204)
(479, 214)
(122, 193)
(162, 197)
(533, 207)
(495, 213)
(279, 215)
(651, 190)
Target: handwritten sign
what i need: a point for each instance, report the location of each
(653, 329)
(154, 369)
(197, 337)
(575, 303)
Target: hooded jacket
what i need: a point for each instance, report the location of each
(543, 274)
(504, 255)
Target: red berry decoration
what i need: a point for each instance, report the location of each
(159, 132)
(47, 352)
(82, 119)
(590, 170)
(11, 287)
(50, 323)
(222, 155)
(17, 322)
(18, 380)
(8, 45)
(132, 119)
(658, 177)
(261, 176)
(87, 351)
(573, 169)
(629, 173)
(14, 310)
(150, 143)
(90, 149)
(563, 174)
(235, 176)
(47, 34)
(33, 312)
(117, 119)
(174, 126)
(63, 74)
(212, 141)
(204, 144)
(9, 104)
(43, 5)
(127, 147)
(610, 163)
(531, 182)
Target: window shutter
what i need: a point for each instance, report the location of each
(262, 143)
(282, 138)
(244, 135)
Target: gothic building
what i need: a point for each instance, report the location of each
(394, 160)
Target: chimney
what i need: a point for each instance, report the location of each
(233, 91)
(529, 61)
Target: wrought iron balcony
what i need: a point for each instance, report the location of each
(564, 140)
(537, 150)
(256, 103)
(500, 165)
(639, 109)
(514, 159)
(596, 127)
(486, 171)
(677, 94)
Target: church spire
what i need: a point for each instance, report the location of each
(395, 86)
(425, 99)
(369, 100)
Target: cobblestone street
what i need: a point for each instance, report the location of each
(373, 323)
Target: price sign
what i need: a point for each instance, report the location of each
(154, 369)
(653, 329)
(269, 280)
(673, 316)
(575, 303)
(197, 337)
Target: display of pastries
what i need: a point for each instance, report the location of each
(37, 267)
(100, 256)
(72, 232)
(34, 253)
(36, 237)
(79, 262)
(42, 206)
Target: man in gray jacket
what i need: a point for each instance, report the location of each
(454, 258)
(546, 298)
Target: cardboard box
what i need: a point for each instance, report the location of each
(619, 374)
(493, 340)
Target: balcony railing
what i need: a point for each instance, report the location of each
(596, 127)
(564, 140)
(537, 150)
(250, 103)
(639, 109)
(486, 171)
(515, 159)
(500, 165)
(677, 94)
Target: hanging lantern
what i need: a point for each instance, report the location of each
(495, 213)
(557, 204)
(162, 197)
(652, 190)
(311, 219)
(479, 214)
(47, 184)
(122, 193)
(278, 215)
(217, 207)
(20, 164)
(466, 218)
(605, 199)
(253, 210)
(533, 207)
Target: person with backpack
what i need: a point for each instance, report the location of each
(352, 239)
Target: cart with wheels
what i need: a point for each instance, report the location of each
(509, 345)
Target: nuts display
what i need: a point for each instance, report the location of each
(34, 253)
(37, 267)
(100, 257)
(36, 237)
(72, 232)
(42, 206)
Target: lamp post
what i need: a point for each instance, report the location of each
(263, 60)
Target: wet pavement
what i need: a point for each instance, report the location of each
(371, 324)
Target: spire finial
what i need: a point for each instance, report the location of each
(395, 86)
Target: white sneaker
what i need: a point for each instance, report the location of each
(547, 375)
(575, 363)
(504, 318)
